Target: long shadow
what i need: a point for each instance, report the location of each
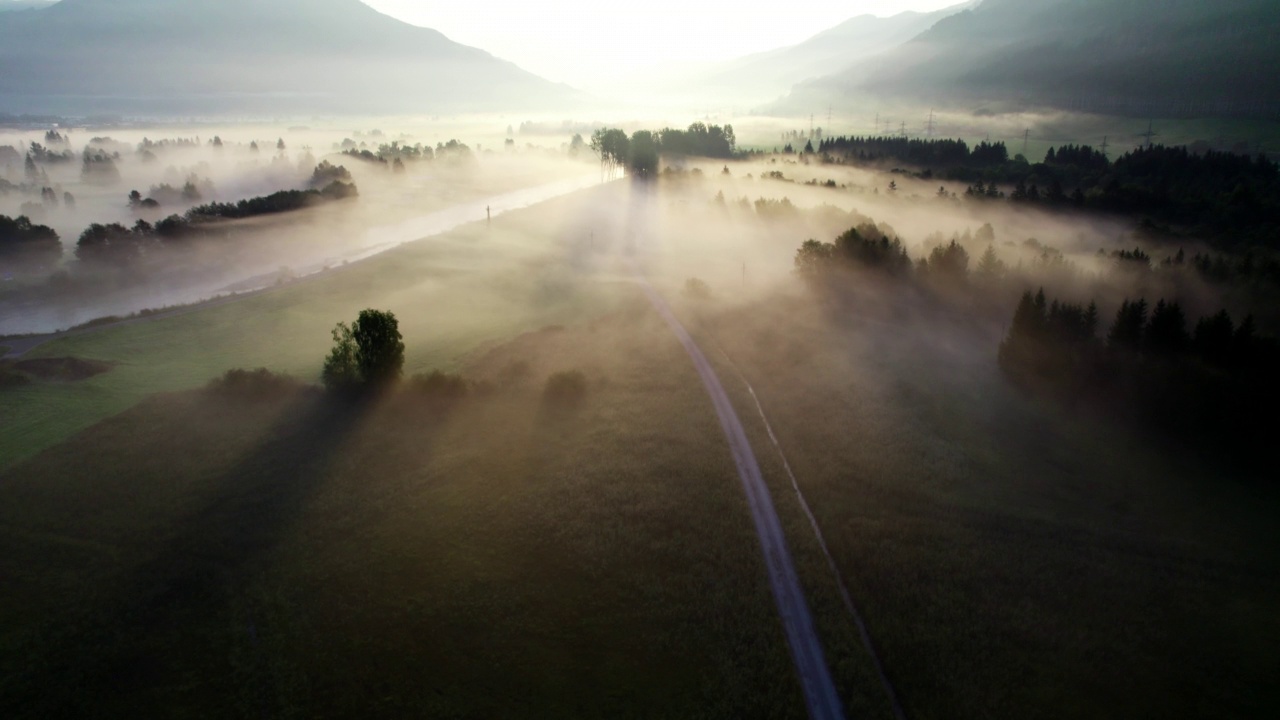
(168, 610)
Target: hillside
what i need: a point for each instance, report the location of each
(11, 5)
(1162, 57)
(247, 56)
(764, 76)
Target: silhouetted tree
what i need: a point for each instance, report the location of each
(1126, 332)
(1166, 334)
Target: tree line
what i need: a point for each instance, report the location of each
(116, 245)
(1211, 383)
(1233, 199)
(26, 244)
(1207, 381)
(638, 154)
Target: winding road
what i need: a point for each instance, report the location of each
(819, 689)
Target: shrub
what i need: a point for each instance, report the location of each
(566, 387)
(11, 378)
(440, 386)
(697, 289)
(259, 384)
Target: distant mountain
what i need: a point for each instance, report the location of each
(248, 56)
(764, 76)
(1216, 57)
(11, 5)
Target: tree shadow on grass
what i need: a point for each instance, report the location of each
(164, 629)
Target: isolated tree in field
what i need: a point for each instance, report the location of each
(367, 353)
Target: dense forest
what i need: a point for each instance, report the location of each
(1231, 199)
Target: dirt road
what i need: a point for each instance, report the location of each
(806, 649)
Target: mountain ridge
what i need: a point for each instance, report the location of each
(234, 56)
(1138, 57)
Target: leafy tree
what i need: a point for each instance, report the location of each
(369, 353)
(112, 244)
(23, 242)
(643, 159)
(342, 366)
(614, 148)
(814, 260)
(380, 347)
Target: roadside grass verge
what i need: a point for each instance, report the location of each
(1012, 561)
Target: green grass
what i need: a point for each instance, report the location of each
(1012, 561)
(502, 558)
(453, 294)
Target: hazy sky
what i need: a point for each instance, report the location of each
(579, 42)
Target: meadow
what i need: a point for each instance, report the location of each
(506, 555)
(289, 555)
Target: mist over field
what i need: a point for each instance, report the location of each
(903, 361)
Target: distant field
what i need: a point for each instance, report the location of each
(454, 293)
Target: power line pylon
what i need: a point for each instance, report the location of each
(1150, 133)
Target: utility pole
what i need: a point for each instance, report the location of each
(1026, 135)
(1150, 133)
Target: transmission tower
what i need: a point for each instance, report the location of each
(930, 130)
(903, 130)
(1150, 133)
(1104, 147)
(1026, 135)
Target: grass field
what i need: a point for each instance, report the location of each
(454, 293)
(1012, 562)
(504, 557)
